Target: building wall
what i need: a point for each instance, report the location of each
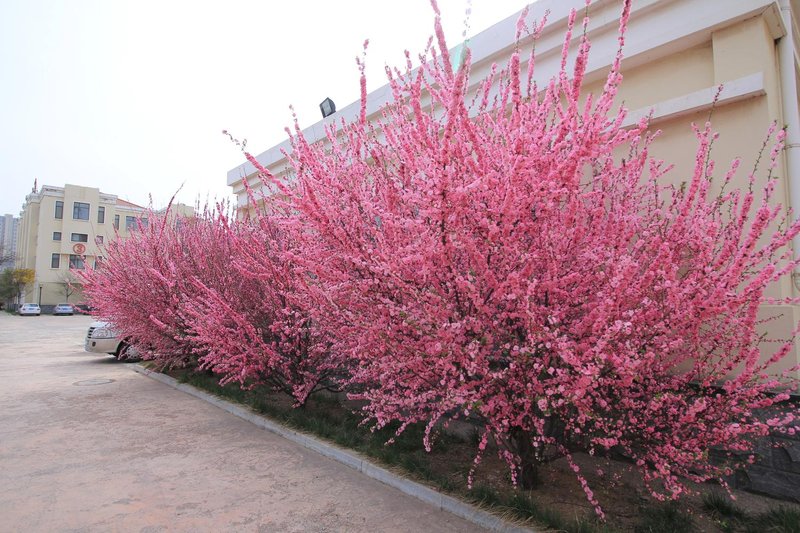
(84, 238)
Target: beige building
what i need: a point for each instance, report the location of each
(66, 227)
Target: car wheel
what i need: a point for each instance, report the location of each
(126, 352)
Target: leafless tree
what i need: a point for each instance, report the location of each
(69, 284)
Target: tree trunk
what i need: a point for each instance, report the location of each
(528, 468)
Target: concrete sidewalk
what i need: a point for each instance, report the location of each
(88, 445)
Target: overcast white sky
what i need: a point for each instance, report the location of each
(131, 96)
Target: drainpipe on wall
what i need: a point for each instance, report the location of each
(790, 117)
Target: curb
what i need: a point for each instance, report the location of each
(351, 459)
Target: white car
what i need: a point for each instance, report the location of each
(63, 309)
(101, 338)
(30, 310)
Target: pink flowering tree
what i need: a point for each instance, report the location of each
(256, 329)
(489, 256)
(219, 295)
(142, 284)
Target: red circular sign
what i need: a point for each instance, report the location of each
(79, 248)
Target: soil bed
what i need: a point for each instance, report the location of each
(558, 503)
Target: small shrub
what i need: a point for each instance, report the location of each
(484, 494)
(779, 520)
(665, 518)
(721, 506)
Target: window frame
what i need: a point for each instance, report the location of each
(55, 260)
(59, 214)
(78, 210)
(60, 235)
(101, 215)
(81, 237)
(76, 262)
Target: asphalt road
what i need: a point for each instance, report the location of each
(86, 444)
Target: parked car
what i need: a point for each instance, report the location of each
(64, 309)
(101, 338)
(29, 310)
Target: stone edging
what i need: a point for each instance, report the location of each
(351, 459)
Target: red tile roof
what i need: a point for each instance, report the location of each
(128, 204)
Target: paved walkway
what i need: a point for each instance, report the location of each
(88, 445)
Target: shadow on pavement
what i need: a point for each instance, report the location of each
(103, 361)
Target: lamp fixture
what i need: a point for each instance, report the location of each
(327, 107)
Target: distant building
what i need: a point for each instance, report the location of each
(8, 240)
(66, 227)
(178, 211)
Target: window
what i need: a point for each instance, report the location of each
(80, 211)
(56, 235)
(55, 261)
(101, 215)
(76, 261)
(116, 221)
(59, 209)
(130, 223)
(79, 237)
(98, 239)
